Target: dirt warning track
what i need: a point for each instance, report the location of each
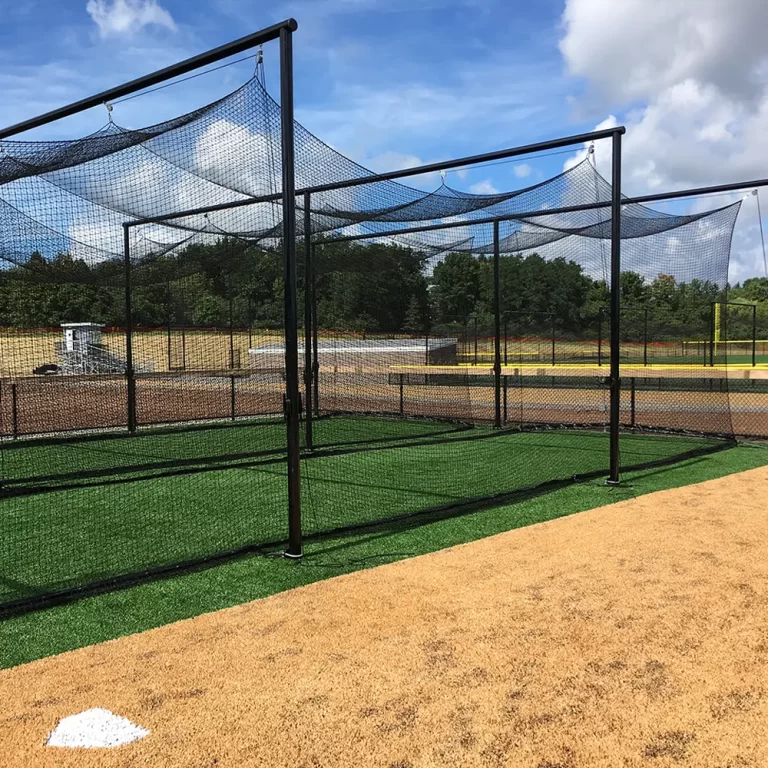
(631, 635)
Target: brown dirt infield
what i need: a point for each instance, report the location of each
(631, 635)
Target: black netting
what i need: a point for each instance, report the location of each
(142, 393)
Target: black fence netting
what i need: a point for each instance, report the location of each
(143, 368)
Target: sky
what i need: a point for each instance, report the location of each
(395, 83)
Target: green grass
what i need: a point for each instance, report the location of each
(167, 518)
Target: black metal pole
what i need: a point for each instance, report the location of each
(475, 327)
(600, 336)
(231, 326)
(147, 81)
(506, 385)
(250, 322)
(553, 338)
(292, 401)
(426, 347)
(615, 380)
(402, 396)
(308, 412)
(645, 336)
(232, 403)
(15, 410)
(712, 335)
(506, 334)
(632, 412)
(754, 335)
(315, 358)
(496, 328)
(130, 380)
(168, 312)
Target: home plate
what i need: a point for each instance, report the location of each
(95, 728)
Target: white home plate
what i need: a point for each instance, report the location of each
(95, 728)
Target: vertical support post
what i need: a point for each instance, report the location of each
(232, 410)
(506, 338)
(168, 313)
(250, 322)
(292, 406)
(231, 326)
(553, 338)
(754, 335)
(496, 328)
(426, 347)
(506, 385)
(130, 378)
(599, 336)
(632, 412)
(615, 377)
(402, 397)
(308, 413)
(315, 358)
(645, 336)
(15, 410)
(712, 335)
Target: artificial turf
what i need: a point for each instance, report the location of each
(220, 510)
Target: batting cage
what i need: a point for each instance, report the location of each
(220, 336)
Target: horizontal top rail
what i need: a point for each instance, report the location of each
(161, 75)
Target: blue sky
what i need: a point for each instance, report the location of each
(389, 83)
(393, 83)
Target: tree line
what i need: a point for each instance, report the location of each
(367, 288)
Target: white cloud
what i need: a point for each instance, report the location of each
(522, 170)
(483, 188)
(630, 50)
(126, 17)
(690, 82)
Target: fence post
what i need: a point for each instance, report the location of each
(232, 397)
(130, 378)
(754, 335)
(632, 402)
(15, 411)
(315, 359)
(645, 336)
(496, 329)
(231, 326)
(308, 413)
(168, 313)
(505, 398)
(600, 336)
(402, 396)
(426, 347)
(553, 338)
(712, 335)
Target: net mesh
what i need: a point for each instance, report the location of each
(137, 436)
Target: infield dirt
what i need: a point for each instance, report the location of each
(631, 635)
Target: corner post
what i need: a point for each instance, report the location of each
(615, 377)
(292, 396)
(496, 328)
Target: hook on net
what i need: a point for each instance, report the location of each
(109, 107)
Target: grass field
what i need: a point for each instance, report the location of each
(61, 537)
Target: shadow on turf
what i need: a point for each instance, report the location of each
(378, 529)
